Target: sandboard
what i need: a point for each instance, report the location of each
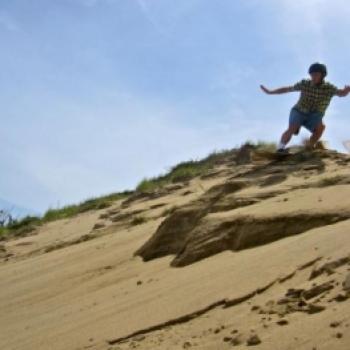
(274, 155)
(293, 151)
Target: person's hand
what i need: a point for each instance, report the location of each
(266, 90)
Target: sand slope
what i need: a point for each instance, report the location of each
(256, 254)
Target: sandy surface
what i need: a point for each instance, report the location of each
(93, 294)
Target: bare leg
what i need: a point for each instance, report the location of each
(317, 134)
(287, 135)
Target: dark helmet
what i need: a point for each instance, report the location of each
(318, 68)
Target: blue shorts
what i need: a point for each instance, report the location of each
(307, 120)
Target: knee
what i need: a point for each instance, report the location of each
(320, 128)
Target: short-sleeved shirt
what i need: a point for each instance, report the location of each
(314, 98)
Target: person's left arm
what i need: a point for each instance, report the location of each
(343, 92)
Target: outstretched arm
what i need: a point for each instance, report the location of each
(281, 90)
(343, 92)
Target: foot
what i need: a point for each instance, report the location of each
(310, 147)
(282, 151)
(321, 145)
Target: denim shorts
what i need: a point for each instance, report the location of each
(307, 120)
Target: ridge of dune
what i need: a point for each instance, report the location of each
(254, 253)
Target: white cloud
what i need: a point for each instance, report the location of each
(306, 24)
(165, 15)
(231, 76)
(149, 16)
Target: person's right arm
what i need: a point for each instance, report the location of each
(278, 91)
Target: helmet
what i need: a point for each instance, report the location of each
(318, 68)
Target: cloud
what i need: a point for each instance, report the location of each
(164, 15)
(144, 7)
(307, 23)
(231, 76)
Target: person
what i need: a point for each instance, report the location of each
(315, 97)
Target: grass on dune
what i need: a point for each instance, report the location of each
(90, 204)
(187, 170)
(28, 224)
(183, 171)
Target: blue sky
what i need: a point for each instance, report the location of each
(97, 94)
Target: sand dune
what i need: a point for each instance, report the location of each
(254, 253)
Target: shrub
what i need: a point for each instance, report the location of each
(90, 204)
(149, 185)
(137, 220)
(30, 223)
(183, 171)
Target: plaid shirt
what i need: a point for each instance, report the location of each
(314, 98)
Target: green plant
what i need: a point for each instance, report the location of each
(188, 170)
(90, 204)
(266, 146)
(29, 224)
(25, 222)
(3, 232)
(20, 227)
(183, 171)
(149, 185)
(137, 220)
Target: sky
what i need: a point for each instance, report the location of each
(98, 94)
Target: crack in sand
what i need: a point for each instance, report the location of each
(244, 232)
(224, 303)
(329, 267)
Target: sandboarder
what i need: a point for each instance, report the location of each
(315, 97)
